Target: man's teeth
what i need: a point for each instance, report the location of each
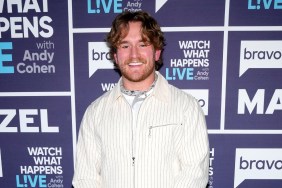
(135, 63)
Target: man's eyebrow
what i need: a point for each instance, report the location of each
(126, 42)
(123, 42)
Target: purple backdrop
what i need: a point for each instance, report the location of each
(54, 63)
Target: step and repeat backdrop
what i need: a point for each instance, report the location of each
(54, 63)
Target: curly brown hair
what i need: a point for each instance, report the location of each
(151, 32)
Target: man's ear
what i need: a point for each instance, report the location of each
(115, 58)
(157, 55)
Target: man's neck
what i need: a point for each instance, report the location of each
(143, 85)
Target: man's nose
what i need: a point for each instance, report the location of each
(134, 51)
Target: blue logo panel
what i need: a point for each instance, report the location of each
(34, 46)
(195, 63)
(100, 13)
(253, 99)
(255, 13)
(35, 142)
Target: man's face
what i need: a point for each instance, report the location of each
(136, 58)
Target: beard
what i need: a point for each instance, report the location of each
(137, 75)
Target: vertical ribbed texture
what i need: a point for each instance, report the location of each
(173, 153)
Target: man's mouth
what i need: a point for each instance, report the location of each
(135, 63)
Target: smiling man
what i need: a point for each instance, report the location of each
(136, 58)
(144, 133)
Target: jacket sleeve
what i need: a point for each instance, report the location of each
(193, 150)
(88, 154)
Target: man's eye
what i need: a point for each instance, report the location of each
(124, 46)
(144, 44)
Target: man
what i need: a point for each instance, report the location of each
(144, 133)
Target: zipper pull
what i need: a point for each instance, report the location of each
(150, 129)
(133, 161)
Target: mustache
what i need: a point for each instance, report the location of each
(135, 60)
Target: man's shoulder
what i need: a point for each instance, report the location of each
(181, 99)
(178, 93)
(171, 93)
(102, 100)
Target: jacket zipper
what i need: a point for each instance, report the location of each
(133, 146)
(133, 139)
(133, 131)
(157, 126)
(132, 143)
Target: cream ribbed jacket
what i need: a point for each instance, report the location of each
(168, 150)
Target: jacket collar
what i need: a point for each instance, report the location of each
(161, 90)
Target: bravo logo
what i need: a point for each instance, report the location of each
(260, 54)
(259, 163)
(98, 57)
(202, 95)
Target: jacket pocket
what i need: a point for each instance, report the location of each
(162, 126)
